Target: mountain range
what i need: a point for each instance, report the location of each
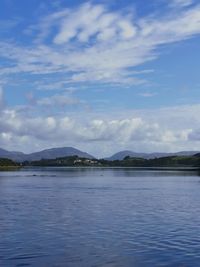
(122, 154)
(70, 151)
(44, 154)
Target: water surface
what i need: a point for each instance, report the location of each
(99, 217)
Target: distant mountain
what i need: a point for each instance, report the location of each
(122, 154)
(13, 155)
(70, 151)
(58, 153)
(44, 154)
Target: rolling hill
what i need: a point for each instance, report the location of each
(44, 154)
(122, 154)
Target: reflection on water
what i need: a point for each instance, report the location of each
(99, 217)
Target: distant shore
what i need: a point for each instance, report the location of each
(10, 168)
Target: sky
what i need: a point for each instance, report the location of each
(101, 76)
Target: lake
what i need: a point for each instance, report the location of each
(58, 217)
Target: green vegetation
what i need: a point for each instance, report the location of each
(75, 161)
(8, 164)
(172, 161)
(64, 162)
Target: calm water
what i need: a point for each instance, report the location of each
(99, 217)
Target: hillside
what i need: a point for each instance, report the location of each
(7, 164)
(122, 154)
(44, 154)
(64, 162)
(57, 153)
(75, 161)
(61, 152)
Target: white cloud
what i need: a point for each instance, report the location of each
(2, 101)
(58, 100)
(181, 3)
(103, 134)
(147, 94)
(195, 134)
(91, 43)
(90, 21)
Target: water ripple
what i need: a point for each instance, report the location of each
(111, 218)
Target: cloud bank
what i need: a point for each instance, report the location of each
(137, 130)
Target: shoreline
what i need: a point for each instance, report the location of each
(155, 168)
(10, 168)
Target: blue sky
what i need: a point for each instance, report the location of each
(102, 76)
